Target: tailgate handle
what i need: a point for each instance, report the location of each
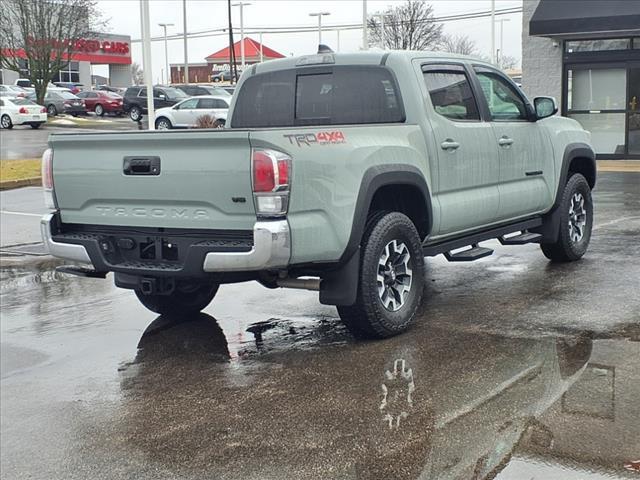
(141, 166)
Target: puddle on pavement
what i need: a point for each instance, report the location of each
(295, 396)
(450, 406)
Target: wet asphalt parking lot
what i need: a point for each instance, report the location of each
(516, 369)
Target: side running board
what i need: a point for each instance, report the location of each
(469, 255)
(471, 240)
(521, 239)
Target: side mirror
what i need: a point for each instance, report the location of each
(545, 107)
(162, 96)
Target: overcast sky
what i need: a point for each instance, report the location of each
(124, 18)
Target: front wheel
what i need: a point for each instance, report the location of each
(187, 298)
(99, 110)
(391, 278)
(576, 221)
(135, 114)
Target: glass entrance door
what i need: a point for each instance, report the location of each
(605, 99)
(597, 97)
(633, 111)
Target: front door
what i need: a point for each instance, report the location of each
(465, 191)
(525, 150)
(185, 113)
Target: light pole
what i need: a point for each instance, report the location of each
(365, 40)
(166, 51)
(241, 5)
(499, 57)
(493, 31)
(146, 60)
(319, 15)
(184, 29)
(382, 35)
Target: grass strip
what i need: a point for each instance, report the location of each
(11, 170)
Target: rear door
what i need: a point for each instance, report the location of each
(468, 166)
(202, 179)
(525, 151)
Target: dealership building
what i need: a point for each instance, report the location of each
(100, 49)
(587, 55)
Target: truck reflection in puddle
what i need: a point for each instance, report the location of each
(439, 405)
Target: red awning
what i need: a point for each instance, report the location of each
(251, 51)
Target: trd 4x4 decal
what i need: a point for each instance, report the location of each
(321, 138)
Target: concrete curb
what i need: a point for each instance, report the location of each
(25, 182)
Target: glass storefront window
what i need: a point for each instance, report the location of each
(601, 44)
(597, 89)
(607, 131)
(636, 43)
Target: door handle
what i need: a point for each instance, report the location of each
(449, 145)
(505, 141)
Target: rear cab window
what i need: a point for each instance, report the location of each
(319, 96)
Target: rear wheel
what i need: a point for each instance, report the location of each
(52, 111)
(135, 114)
(187, 298)
(99, 109)
(391, 278)
(576, 221)
(35, 125)
(6, 122)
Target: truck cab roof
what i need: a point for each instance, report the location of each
(375, 57)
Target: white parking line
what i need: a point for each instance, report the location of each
(22, 213)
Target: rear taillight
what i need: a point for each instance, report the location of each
(43, 110)
(271, 171)
(23, 110)
(47, 179)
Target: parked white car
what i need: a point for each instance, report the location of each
(13, 91)
(186, 113)
(21, 111)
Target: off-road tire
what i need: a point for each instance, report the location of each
(369, 317)
(186, 299)
(565, 249)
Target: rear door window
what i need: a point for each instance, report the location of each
(324, 96)
(451, 94)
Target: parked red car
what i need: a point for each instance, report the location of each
(100, 102)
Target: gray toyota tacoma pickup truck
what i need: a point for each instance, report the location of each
(336, 172)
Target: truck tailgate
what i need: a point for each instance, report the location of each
(203, 179)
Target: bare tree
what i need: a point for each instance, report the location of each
(507, 62)
(137, 74)
(410, 26)
(44, 33)
(461, 44)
